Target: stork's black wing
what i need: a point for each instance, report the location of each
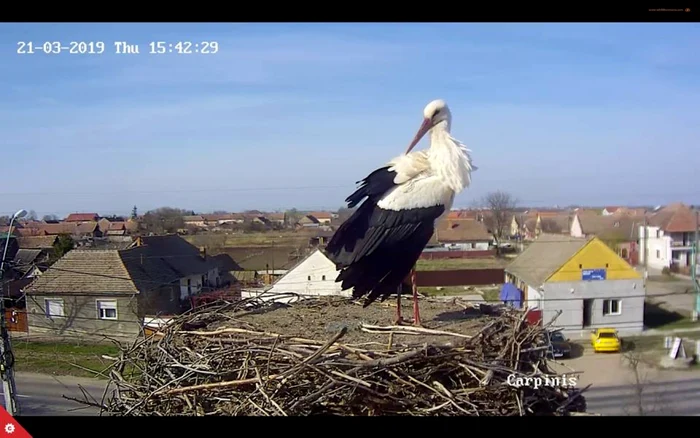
(375, 249)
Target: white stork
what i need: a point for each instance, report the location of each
(378, 246)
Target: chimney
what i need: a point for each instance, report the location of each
(203, 251)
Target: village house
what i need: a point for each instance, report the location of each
(275, 218)
(667, 239)
(619, 232)
(308, 221)
(194, 221)
(462, 235)
(585, 280)
(322, 217)
(109, 292)
(314, 275)
(537, 223)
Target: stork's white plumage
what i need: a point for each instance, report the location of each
(378, 246)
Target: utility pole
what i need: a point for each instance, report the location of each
(694, 267)
(7, 359)
(645, 251)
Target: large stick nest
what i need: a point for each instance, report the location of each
(209, 362)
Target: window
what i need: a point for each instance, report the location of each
(53, 308)
(623, 253)
(323, 277)
(106, 309)
(658, 253)
(612, 307)
(308, 278)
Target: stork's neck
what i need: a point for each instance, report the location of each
(449, 158)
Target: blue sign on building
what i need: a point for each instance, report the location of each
(593, 274)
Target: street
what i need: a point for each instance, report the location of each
(678, 397)
(40, 394)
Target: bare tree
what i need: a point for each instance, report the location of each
(641, 403)
(501, 206)
(164, 220)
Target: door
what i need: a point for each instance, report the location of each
(587, 311)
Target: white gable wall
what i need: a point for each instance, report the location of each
(314, 276)
(576, 229)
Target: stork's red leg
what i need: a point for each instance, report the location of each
(399, 320)
(414, 286)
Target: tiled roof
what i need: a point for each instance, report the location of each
(37, 242)
(611, 227)
(320, 214)
(96, 271)
(181, 255)
(543, 257)
(81, 217)
(226, 263)
(25, 257)
(461, 230)
(674, 218)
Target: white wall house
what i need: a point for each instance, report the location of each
(664, 248)
(576, 229)
(194, 284)
(315, 275)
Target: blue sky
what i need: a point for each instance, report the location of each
(291, 115)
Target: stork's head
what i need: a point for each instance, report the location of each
(435, 113)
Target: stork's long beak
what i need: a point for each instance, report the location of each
(424, 127)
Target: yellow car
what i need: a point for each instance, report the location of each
(605, 340)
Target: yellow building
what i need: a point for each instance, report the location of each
(585, 280)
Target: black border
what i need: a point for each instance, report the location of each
(367, 12)
(75, 427)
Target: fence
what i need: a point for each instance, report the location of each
(475, 254)
(460, 277)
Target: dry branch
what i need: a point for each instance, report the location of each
(209, 362)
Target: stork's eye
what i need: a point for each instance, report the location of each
(436, 113)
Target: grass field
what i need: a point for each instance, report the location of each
(449, 264)
(61, 358)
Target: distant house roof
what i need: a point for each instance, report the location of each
(611, 227)
(543, 257)
(82, 217)
(674, 218)
(73, 228)
(37, 242)
(308, 219)
(25, 257)
(226, 263)
(193, 219)
(611, 209)
(184, 257)
(117, 226)
(461, 230)
(321, 215)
